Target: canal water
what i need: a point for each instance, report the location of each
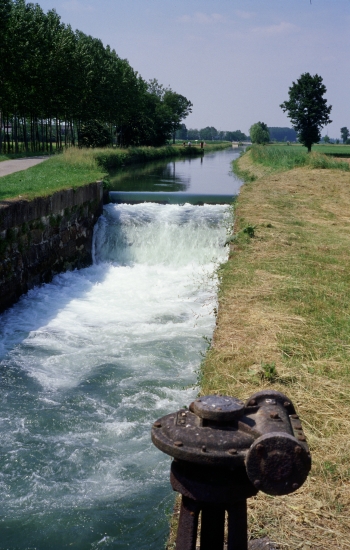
(89, 361)
(205, 175)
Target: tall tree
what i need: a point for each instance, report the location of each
(68, 80)
(5, 13)
(307, 108)
(179, 107)
(259, 133)
(344, 132)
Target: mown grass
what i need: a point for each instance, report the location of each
(56, 173)
(283, 309)
(76, 167)
(286, 158)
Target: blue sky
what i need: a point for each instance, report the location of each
(235, 60)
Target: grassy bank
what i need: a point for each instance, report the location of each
(279, 158)
(331, 149)
(283, 323)
(56, 173)
(76, 167)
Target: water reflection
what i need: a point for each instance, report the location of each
(155, 176)
(210, 174)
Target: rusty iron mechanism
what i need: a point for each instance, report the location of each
(225, 451)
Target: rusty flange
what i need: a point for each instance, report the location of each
(264, 436)
(219, 408)
(187, 437)
(277, 464)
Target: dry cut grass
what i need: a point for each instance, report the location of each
(284, 323)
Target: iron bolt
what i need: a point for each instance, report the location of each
(157, 425)
(252, 403)
(294, 416)
(178, 443)
(260, 447)
(232, 451)
(301, 438)
(295, 486)
(298, 450)
(257, 483)
(286, 404)
(274, 415)
(204, 448)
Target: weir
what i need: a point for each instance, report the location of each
(136, 197)
(87, 362)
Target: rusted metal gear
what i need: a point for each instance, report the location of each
(226, 451)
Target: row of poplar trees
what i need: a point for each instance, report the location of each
(61, 87)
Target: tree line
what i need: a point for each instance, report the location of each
(62, 87)
(209, 133)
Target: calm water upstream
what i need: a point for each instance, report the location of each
(209, 174)
(89, 361)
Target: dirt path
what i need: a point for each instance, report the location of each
(16, 165)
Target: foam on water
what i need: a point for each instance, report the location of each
(88, 362)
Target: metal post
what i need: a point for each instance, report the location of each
(188, 524)
(212, 527)
(237, 526)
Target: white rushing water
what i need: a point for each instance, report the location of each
(88, 362)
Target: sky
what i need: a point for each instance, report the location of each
(234, 60)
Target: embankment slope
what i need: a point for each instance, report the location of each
(283, 323)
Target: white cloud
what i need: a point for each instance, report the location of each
(76, 6)
(272, 30)
(202, 18)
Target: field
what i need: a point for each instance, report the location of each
(284, 323)
(277, 158)
(330, 149)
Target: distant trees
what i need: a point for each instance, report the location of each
(181, 133)
(307, 108)
(282, 134)
(259, 133)
(55, 83)
(344, 132)
(237, 135)
(193, 133)
(209, 133)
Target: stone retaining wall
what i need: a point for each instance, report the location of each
(45, 236)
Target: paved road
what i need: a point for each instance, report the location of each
(16, 165)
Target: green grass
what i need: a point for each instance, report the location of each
(52, 175)
(76, 167)
(331, 149)
(279, 157)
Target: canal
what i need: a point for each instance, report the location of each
(89, 361)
